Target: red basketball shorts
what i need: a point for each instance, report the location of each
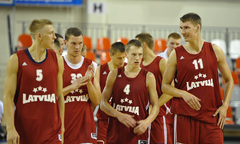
(102, 126)
(191, 131)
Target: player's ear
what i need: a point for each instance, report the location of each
(39, 35)
(198, 27)
(144, 44)
(111, 54)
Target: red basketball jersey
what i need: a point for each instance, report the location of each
(79, 121)
(130, 96)
(104, 71)
(37, 118)
(157, 126)
(154, 68)
(198, 74)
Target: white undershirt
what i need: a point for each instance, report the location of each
(78, 65)
(164, 54)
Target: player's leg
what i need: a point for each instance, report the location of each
(102, 126)
(169, 124)
(212, 134)
(186, 130)
(157, 130)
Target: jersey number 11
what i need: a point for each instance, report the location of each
(195, 63)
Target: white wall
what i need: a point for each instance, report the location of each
(224, 13)
(23, 13)
(213, 12)
(157, 12)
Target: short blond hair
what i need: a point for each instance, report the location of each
(174, 35)
(37, 25)
(133, 42)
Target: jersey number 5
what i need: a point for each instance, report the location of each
(39, 75)
(127, 89)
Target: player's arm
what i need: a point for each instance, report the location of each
(60, 91)
(153, 96)
(8, 99)
(94, 90)
(97, 75)
(75, 85)
(167, 88)
(164, 97)
(226, 74)
(126, 119)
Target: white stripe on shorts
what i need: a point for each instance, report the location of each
(175, 129)
(165, 129)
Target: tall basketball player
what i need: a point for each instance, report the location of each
(197, 105)
(33, 98)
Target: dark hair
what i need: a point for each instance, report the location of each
(58, 36)
(133, 42)
(72, 31)
(56, 42)
(84, 47)
(147, 38)
(117, 47)
(193, 18)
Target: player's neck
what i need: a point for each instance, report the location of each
(112, 66)
(74, 60)
(168, 52)
(148, 57)
(131, 71)
(37, 53)
(195, 46)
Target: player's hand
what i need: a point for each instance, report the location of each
(191, 100)
(13, 137)
(90, 72)
(79, 82)
(222, 111)
(141, 128)
(126, 119)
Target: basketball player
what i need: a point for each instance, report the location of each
(33, 99)
(57, 48)
(173, 41)
(117, 54)
(84, 50)
(60, 39)
(81, 91)
(157, 66)
(132, 89)
(200, 113)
